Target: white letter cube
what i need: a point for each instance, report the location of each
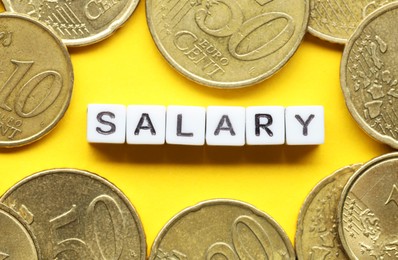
(106, 123)
(146, 124)
(225, 125)
(305, 125)
(185, 125)
(265, 125)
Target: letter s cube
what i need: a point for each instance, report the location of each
(106, 123)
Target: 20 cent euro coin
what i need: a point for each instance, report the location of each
(369, 75)
(77, 23)
(368, 210)
(317, 229)
(222, 229)
(76, 214)
(36, 80)
(227, 44)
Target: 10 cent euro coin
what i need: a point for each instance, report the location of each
(227, 44)
(76, 214)
(36, 80)
(222, 229)
(369, 75)
(77, 23)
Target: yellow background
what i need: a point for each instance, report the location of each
(162, 180)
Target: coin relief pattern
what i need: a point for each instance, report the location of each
(211, 39)
(76, 22)
(336, 20)
(374, 84)
(370, 80)
(237, 250)
(34, 89)
(227, 230)
(97, 224)
(16, 240)
(323, 226)
(370, 211)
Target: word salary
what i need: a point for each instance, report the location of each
(214, 125)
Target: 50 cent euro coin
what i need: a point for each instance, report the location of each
(227, 44)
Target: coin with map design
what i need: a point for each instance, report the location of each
(369, 75)
(368, 211)
(227, 44)
(77, 22)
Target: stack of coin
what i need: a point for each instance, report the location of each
(352, 214)
(69, 214)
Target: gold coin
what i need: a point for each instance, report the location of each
(36, 80)
(317, 230)
(369, 75)
(16, 241)
(336, 20)
(227, 44)
(222, 229)
(77, 23)
(78, 215)
(368, 211)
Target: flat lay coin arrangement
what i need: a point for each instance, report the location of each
(70, 214)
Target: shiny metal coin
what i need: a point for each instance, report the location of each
(368, 211)
(317, 229)
(369, 75)
(77, 23)
(336, 20)
(16, 241)
(222, 229)
(227, 44)
(36, 80)
(78, 215)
